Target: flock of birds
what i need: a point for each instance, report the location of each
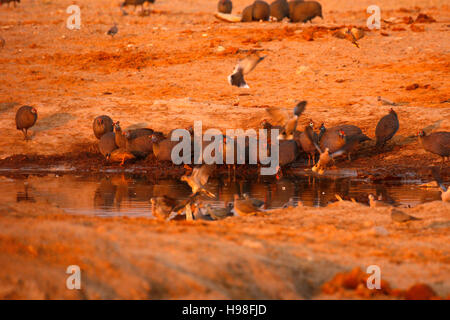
(329, 143)
(295, 10)
(8, 1)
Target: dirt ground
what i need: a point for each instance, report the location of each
(166, 70)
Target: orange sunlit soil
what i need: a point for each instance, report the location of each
(169, 68)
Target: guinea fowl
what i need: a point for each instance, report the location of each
(225, 6)
(279, 10)
(305, 11)
(107, 144)
(436, 142)
(332, 138)
(288, 152)
(292, 3)
(247, 14)
(121, 140)
(347, 145)
(306, 144)
(261, 11)
(386, 128)
(140, 146)
(122, 137)
(287, 122)
(102, 124)
(445, 192)
(26, 117)
(351, 142)
(162, 148)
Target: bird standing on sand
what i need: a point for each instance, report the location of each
(445, 192)
(162, 148)
(287, 153)
(198, 179)
(386, 128)
(244, 206)
(242, 68)
(107, 144)
(279, 10)
(26, 117)
(260, 11)
(305, 11)
(102, 124)
(225, 6)
(436, 142)
(399, 216)
(306, 143)
(113, 30)
(140, 146)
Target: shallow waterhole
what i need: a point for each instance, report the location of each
(117, 194)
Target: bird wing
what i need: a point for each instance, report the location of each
(278, 116)
(300, 108)
(249, 63)
(291, 125)
(201, 175)
(310, 135)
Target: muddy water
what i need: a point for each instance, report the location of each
(127, 194)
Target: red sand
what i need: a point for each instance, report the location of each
(164, 71)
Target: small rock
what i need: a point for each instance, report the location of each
(380, 231)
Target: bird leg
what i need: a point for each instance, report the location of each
(309, 159)
(25, 133)
(123, 161)
(189, 216)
